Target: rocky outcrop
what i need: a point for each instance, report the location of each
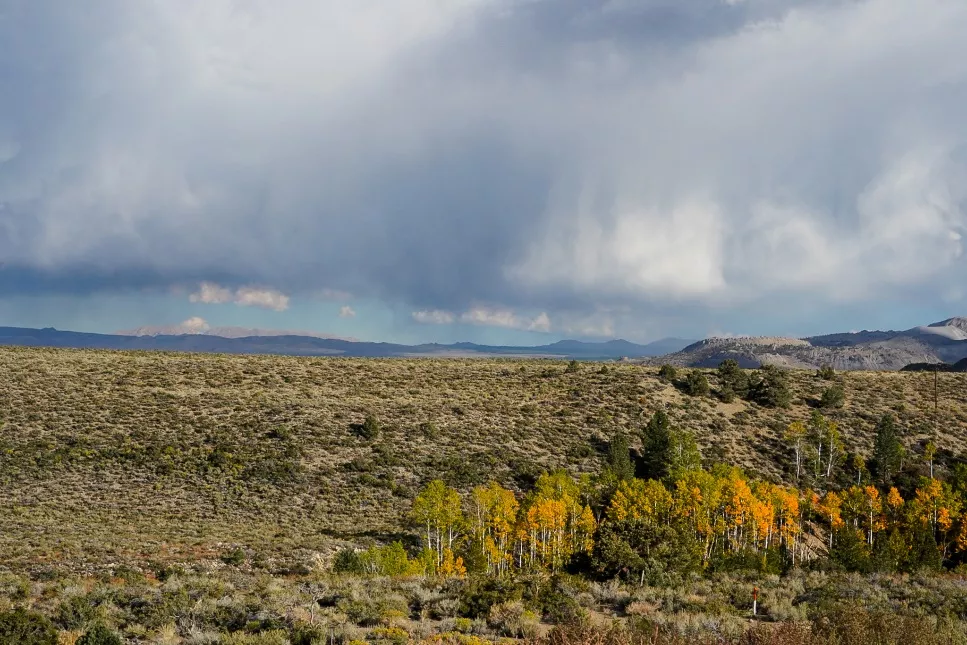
(866, 350)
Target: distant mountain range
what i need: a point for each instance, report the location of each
(197, 326)
(942, 342)
(262, 342)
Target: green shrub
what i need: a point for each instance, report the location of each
(558, 604)
(368, 429)
(75, 611)
(667, 373)
(99, 635)
(513, 620)
(696, 384)
(429, 430)
(348, 560)
(307, 635)
(479, 595)
(26, 628)
(389, 636)
(462, 625)
(234, 558)
(833, 397)
(275, 637)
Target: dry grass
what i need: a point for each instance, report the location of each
(126, 457)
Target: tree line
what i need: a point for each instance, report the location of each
(658, 511)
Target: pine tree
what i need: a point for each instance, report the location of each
(732, 379)
(887, 450)
(696, 384)
(656, 447)
(619, 459)
(770, 388)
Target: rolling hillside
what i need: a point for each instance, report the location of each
(110, 457)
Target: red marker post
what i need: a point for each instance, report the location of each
(755, 599)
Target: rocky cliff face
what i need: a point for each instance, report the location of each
(945, 341)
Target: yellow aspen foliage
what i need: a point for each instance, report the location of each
(962, 535)
(586, 526)
(738, 509)
(494, 512)
(944, 521)
(894, 500)
(437, 511)
(451, 567)
(788, 512)
(874, 507)
(639, 499)
(926, 502)
(854, 506)
(831, 506)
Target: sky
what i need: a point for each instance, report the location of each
(502, 171)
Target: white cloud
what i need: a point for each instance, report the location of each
(213, 294)
(194, 325)
(639, 253)
(433, 317)
(506, 318)
(264, 298)
(541, 323)
(596, 325)
(487, 317)
(347, 312)
(210, 293)
(491, 318)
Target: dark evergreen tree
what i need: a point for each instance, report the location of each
(770, 388)
(733, 381)
(851, 551)
(924, 552)
(645, 551)
(891, 552)
(656, 447)
(696, 384)
(887, 450)
(619, 463)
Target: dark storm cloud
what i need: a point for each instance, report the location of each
(591, 159)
